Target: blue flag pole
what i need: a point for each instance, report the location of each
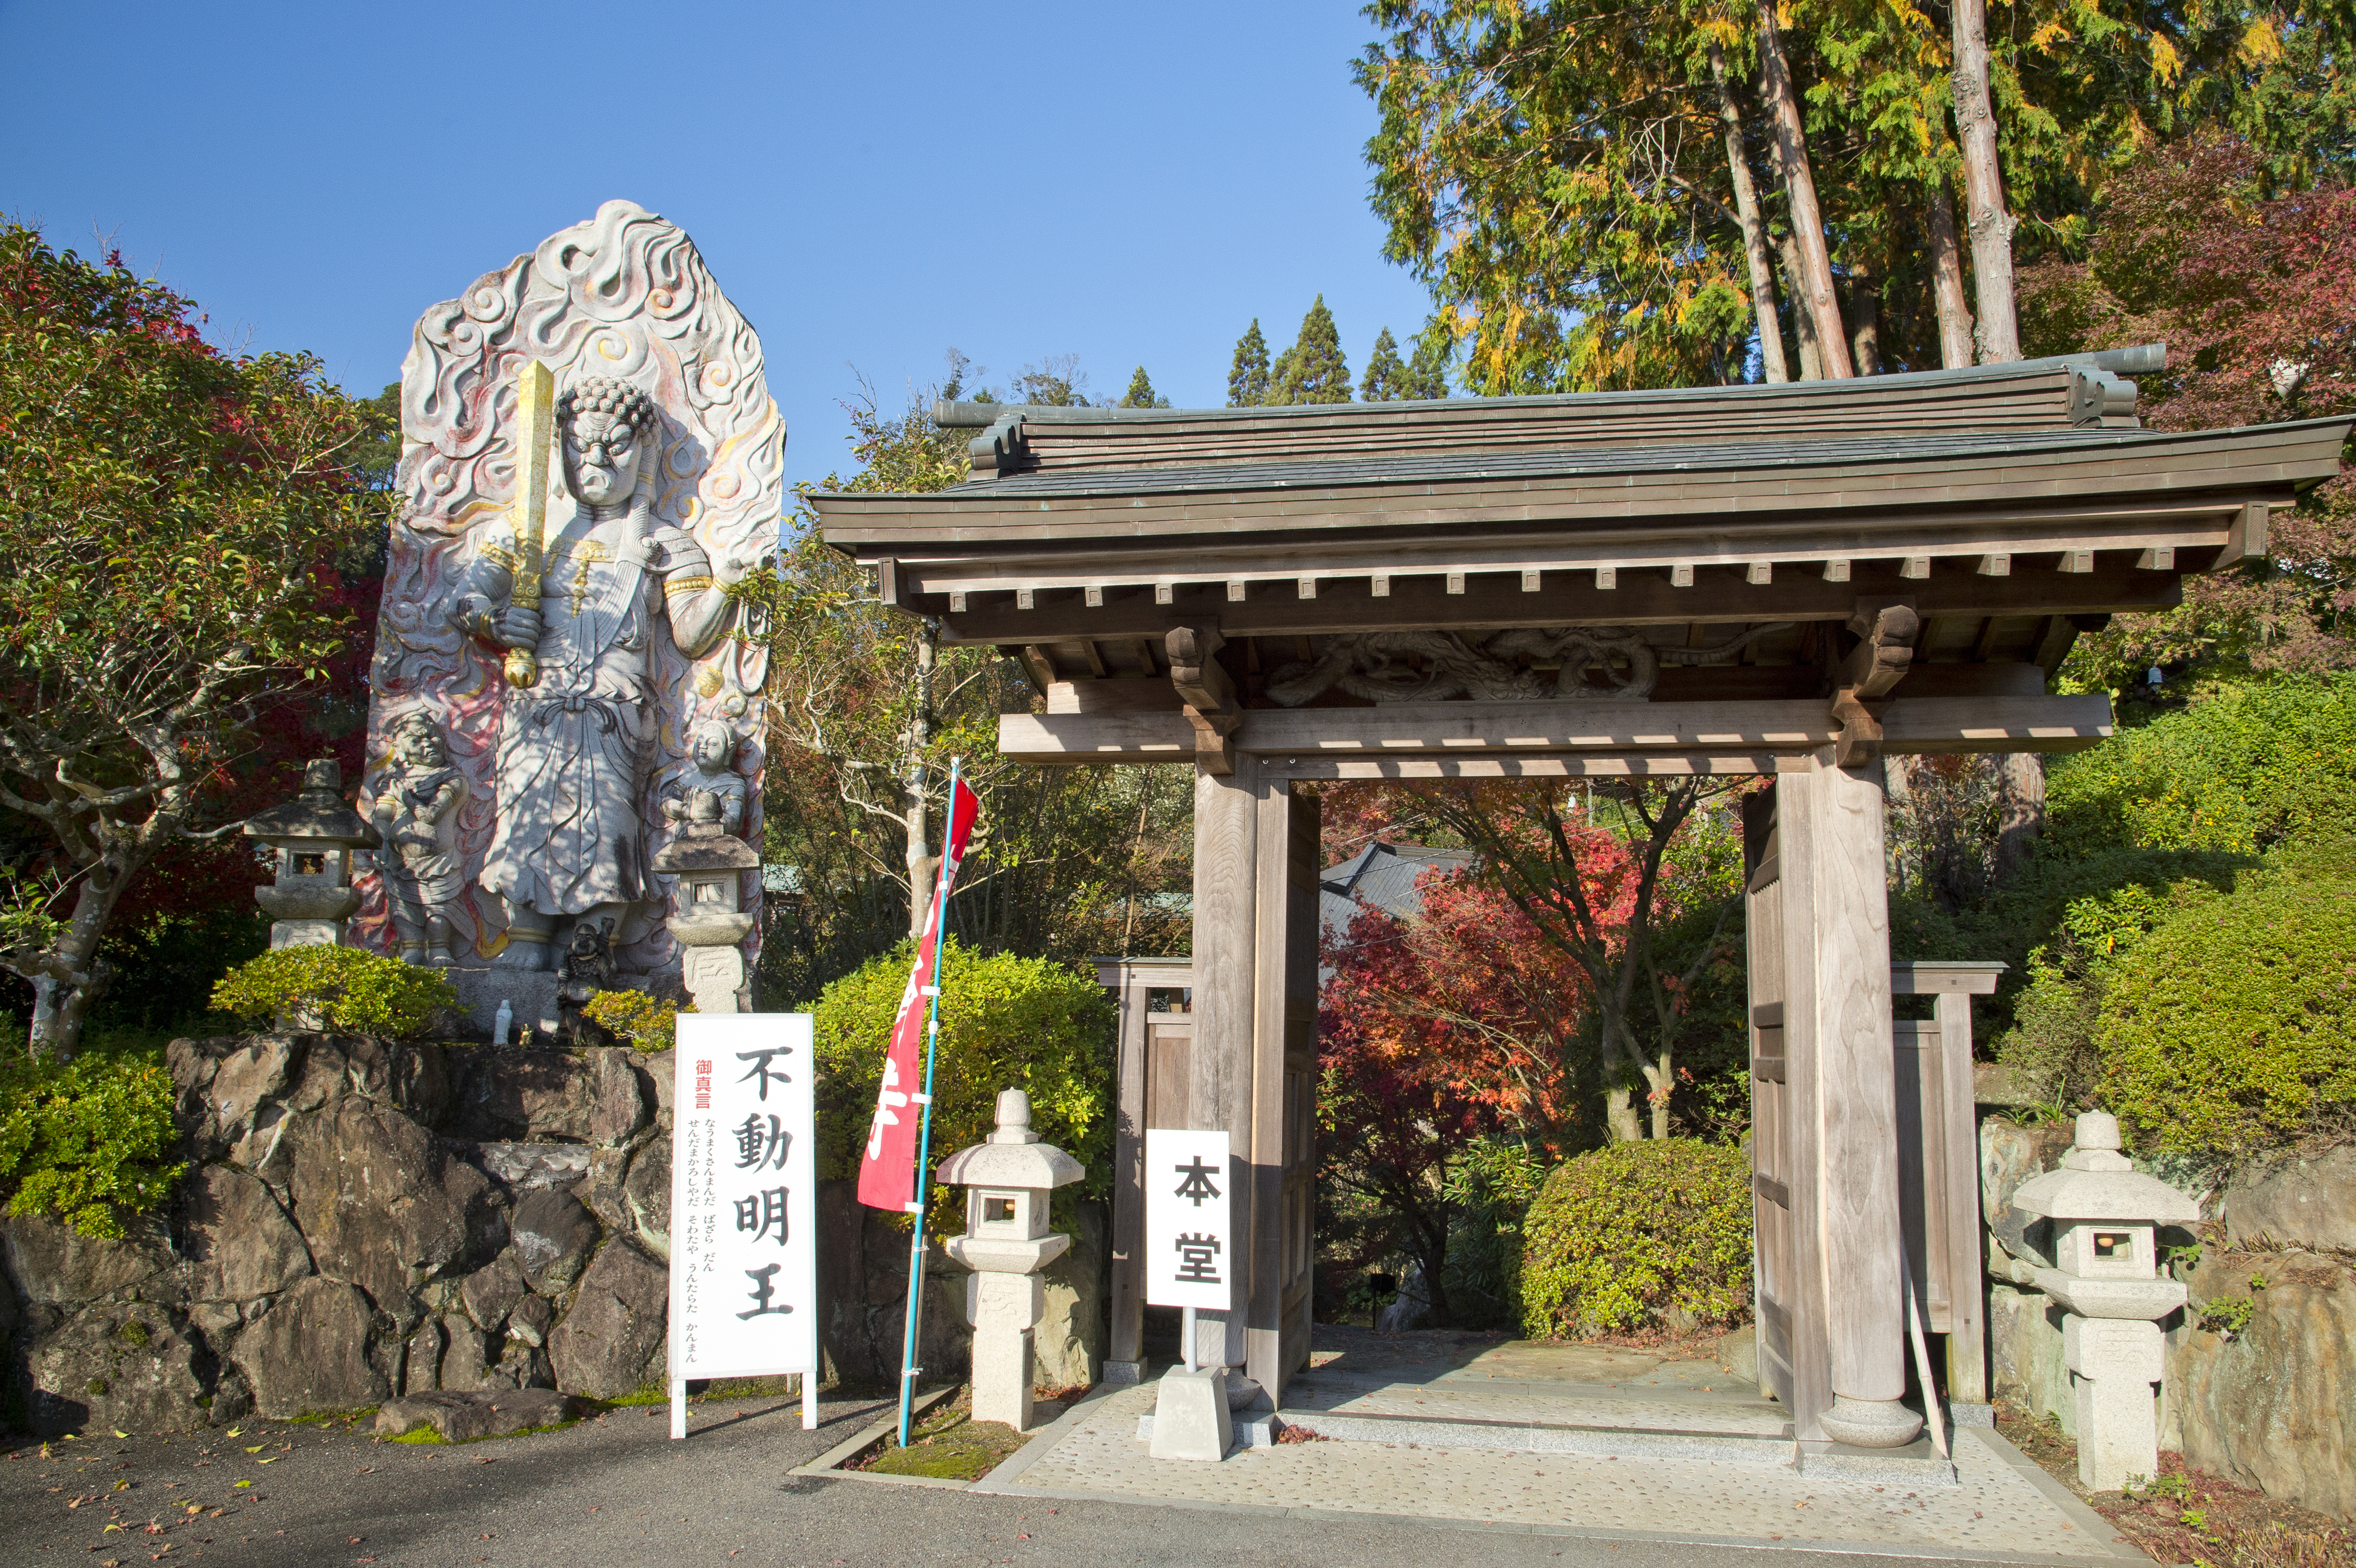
(908, 1367)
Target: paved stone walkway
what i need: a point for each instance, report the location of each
(2003, 1508)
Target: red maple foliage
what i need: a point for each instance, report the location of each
(2254, 293)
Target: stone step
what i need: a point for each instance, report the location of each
(1558, 1436)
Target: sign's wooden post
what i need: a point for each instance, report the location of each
(1227, 932)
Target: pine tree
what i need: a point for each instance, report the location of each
(1312, 370)
(1140, 393)
(1248, 380)
(1386, 379)
(1427, 373)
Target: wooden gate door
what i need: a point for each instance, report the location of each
(1792, 1355)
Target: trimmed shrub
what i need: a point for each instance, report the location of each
(84, 1142)
(1624, 1236)
(1006, 1023)
(647, 1022)
(2243, 767)
(2232, 1024)
(341, 988)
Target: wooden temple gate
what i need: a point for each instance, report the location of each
(1791, 580)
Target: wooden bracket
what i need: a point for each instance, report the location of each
(1872, 669)
(1209, 694)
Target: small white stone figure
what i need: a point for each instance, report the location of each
(711, 801)
(575, 747)
(415, 803)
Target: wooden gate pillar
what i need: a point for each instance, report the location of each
(1824, 1142)
(1254, 1057)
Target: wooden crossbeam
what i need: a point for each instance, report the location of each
(1910, 726)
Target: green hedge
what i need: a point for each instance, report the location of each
(1006, 1023)
(2245, 767)
(335, 988)
(1621, 1237)
(85, 1143)
(2232, 1024)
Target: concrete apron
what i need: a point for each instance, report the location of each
(1573, 1441)
(1598, 1400)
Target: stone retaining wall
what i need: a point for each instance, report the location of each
(2267, 1404)
(363, 1220)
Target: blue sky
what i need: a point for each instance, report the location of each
(872, 184)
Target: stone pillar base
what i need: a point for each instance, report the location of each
(1870, 1424)
(1190, 1416)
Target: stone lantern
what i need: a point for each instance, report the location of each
(1006, 1244)
(2105, 1215)
(708, 916)
(313, 835)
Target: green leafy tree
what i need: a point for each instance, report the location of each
(169, 517)
(1312, 370)
(1140, 394)
(868, 706)
(1248, 378)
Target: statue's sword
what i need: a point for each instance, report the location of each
(535, 444)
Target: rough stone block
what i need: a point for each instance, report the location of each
(531, 995)
(530, 1320)
(621, 1111)
(2272, 1406)
(131, 1367)
(310, 1352)
(492, 1291)
(2010, 1155)
(238, 1242)
(465, 1363)
(376, 1199)
(1190, 1416)
(55, 1266)
(552, 1236)
(646, 1193)
(2307, 1202)
(612, 1340)
(458, 1417)
(421, 1363)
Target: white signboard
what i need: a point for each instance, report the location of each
(1189, 1254)
(743, 1201)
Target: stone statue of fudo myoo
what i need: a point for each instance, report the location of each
(575, 745)
(590, 459)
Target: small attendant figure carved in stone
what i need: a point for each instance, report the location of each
(576, 746)
(586, 969)
(414, 802)
(711, 801)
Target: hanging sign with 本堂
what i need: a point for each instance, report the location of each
(744, 1203)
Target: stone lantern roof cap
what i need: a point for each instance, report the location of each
(1014, 1156)
(317, 815)
(2096, 1182)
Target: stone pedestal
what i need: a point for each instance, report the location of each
(1005, 1309)
(304, 933)
(1191, 1420)
(2114, 1364)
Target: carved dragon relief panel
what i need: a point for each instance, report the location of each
(1503, 666)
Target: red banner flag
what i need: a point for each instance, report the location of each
(887, 1173)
